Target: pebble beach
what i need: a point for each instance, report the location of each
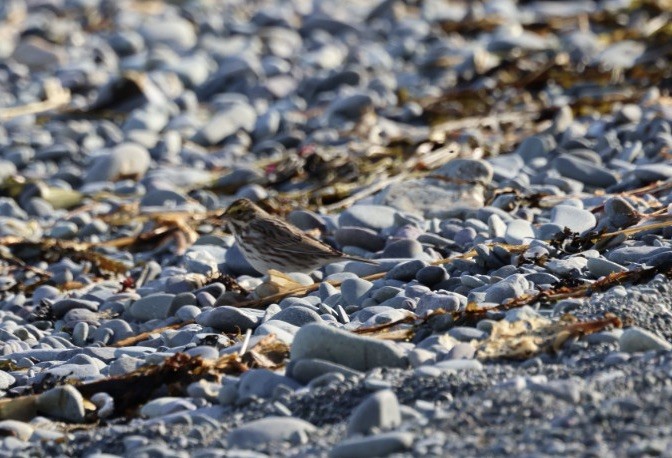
(507, 166)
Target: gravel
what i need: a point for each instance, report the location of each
(463, 131)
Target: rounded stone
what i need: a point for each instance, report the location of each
(154, 306)
(122, 161)
(262, 383)
(508, 288)
(600, 267)
(466, 334)
(576, 219)
(406, 271)
(60, 308)
(536, 146)
(342, 347)
(379, 411)
(6, 380)
(354, 290)
(621, 213)
(404, 248)
(584, 171)
(439, 300)
(230, 319)
(305, 370)
(360, 237)
(384, 444)
(636, 339)
(18, 429)
(471, 170)
(518, 232)
(374, 217)
(269, 429)
(431, 275)
(226, 122)
(297, 315)
(163, 406)
(62, 402)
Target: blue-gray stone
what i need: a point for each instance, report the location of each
(297, 315)
(63, 306)
(386, 292)
(518, 231)
(437, 300)
(471, 170)
(62, 402)
(524, 313)
(584, 171)
(342, 347)
(662, 261)
(636, 339)
(161, 407)
(600, 267)
(406, 271)
(567, 390)
(576, 219)
(458, 365)
(230, 319)
(536, 146)
(404, 248)
(466, 334)
(124, 160)
(6, 380)
(653, 172)
(570, 266)
(307, 220)
(621, 213)
(374, 217)
(383, 444)
(124, 365)
(268, 429)
(461, 350)
(548, 231)
(45, 292)
(360, 237)
(163, 197)
(261, 383)
(628, 254)
(154, 306)
(431, 275)
(542, 278)
(231, 118)
(351, 107)
(379, 411)
(281, 330)
(354, 290)
(512, 286)
(306, 369)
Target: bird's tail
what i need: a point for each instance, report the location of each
(348, 257)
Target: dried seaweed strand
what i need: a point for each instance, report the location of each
(391, 324)
(176, 373)
(20, 263)
(133, 340)
(56, 96)
(554, 295)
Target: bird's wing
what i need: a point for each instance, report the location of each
(285, 239)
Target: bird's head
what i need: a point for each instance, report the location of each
(241, 212)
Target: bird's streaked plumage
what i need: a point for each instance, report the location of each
(268, 242)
